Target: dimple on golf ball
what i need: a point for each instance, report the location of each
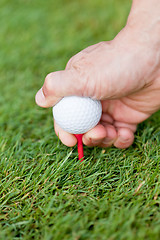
(77, 115)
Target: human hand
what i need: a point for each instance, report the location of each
(124, 74)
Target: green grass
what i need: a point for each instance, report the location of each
(45, 192)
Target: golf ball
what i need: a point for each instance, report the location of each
(77, 115)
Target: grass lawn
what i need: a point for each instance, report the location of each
(45, 192)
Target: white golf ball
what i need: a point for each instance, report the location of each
(77, 115)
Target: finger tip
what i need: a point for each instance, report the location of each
(66, 138)
(111, 132)
(69, 140)
(110, 137)
(94, 136)
(125, 138)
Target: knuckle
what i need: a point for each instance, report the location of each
(79, 60)
(81, 64)
(48, 83)
(48, 77)
(69, 63)
(102, 44)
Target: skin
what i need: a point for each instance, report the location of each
(123, 73)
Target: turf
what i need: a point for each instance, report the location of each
(45, 192)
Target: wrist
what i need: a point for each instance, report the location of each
(144, 21)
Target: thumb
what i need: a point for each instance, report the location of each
(57, 85)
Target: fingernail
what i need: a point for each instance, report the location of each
(96, 141)
(107, 142)
(40, 98)
(123, 140)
